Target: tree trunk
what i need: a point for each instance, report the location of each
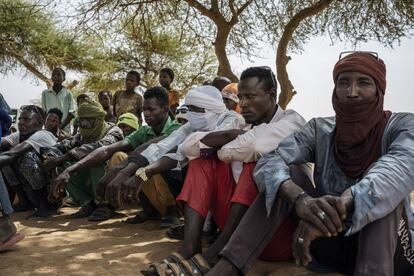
(286, 87)
(224, 67)
(31, 68)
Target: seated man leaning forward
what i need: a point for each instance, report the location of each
(21, 162)
(223, 183)
(358, 219)
(159, 126)
(94, 133)
(207, 112)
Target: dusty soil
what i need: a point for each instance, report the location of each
(77, 247)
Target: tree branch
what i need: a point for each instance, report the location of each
(282, 60)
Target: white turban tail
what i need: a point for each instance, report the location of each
(209, 98)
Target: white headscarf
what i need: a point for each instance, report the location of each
(209, 98)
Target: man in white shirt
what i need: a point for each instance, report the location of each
(21, 163)
(120, 184)
(222, 183)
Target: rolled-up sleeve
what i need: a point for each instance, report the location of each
(388, 181)
(273, 168)
(155, 151)
(260, 140)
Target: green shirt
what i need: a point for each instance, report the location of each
(146, 133)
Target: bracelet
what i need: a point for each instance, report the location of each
(300, 196)
(140, 173)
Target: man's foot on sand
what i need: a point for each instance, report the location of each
(17, 237)
(85, 211)
(42, 214)
(141, 217)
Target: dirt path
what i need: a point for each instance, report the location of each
(78, 247)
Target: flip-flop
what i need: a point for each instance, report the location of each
(169, 221)
(176, 232)
(101, 213)
(141, 217)
(11, 241)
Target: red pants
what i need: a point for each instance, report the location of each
(209, 186)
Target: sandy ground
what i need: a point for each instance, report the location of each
(77, 247)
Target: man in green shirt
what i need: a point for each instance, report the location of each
(159, 126)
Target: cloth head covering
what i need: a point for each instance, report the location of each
(181, 113)
(128, 119)
(230, 92)
(92, 109)
(360, 124)
(209, 98)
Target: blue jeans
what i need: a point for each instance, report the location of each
(5, 203)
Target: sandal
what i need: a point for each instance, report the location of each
(197, 265)
(169, 221)
(15, 238)
(141, 217)
(103, 212)
(176, 232)
(84, 211)
(170, 263)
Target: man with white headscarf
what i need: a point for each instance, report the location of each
(206, 112)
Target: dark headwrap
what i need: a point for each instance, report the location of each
(360, 125)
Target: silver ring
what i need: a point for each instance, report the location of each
(322, 215)
(300, 240)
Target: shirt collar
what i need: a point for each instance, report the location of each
(167, 125)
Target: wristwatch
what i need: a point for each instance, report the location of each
(140, 173)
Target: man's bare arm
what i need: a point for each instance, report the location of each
(220, 138)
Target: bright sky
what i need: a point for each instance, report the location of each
(310, 73)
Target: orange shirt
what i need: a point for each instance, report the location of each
(173, 98)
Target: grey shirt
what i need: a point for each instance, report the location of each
(385, 185)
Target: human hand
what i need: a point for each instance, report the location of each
(304, 234)
(49, 163)
(326, 213)
(58, 185)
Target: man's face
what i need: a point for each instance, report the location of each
(52, 122)
(57, 77)
(255, 101)
(126, 129)
(87, 123)
(354, 86)
(29, 122)
(104, 100)
(231, 105)
(82, 99)
(165, 80)
(154, 113)
(131, 82)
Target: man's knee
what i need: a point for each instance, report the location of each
(117, 158)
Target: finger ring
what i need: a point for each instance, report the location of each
(300, 240)
(322, 215)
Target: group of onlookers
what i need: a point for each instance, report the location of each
(331, 193)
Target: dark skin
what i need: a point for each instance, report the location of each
(349, 87)
(230, 104)
(165, 81)
(155, 115)
(58, 78)
(220, 82)
(52, 123)
(258, 105)
(131, 82)
(29, 122)
(126, 129)
(105, 100)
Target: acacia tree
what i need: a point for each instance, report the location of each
(31, 39)
(147, 46)
(222, 23)
(294, 22)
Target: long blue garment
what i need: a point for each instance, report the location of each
(5, 203)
